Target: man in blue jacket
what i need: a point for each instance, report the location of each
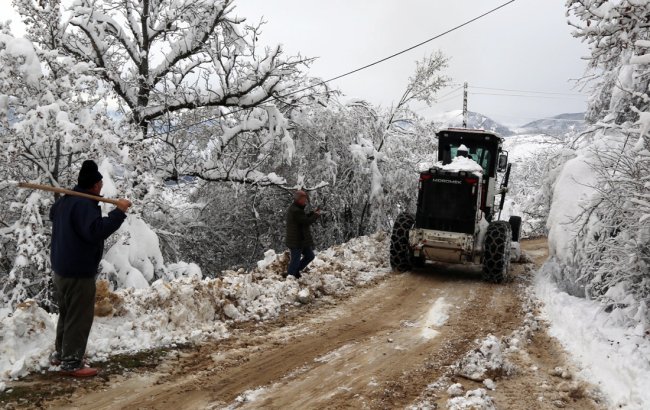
(78, 234)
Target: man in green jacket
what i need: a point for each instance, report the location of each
(298, 235)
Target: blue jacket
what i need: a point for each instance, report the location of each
(78, 234)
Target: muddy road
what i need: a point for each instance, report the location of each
(392, 345)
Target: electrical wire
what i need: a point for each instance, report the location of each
(450, 93)
(514, 90)
(527, 96)
(523, 91)
(352, 71)
(441, 101)
(423, 42)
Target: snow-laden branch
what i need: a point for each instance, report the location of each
(193, 40)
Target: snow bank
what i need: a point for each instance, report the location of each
(191, 309)
(610, 354)
(21, 340)
(573, 188)
(135, 260)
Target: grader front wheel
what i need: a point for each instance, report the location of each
(496, 252)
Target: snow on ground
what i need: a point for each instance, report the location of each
(436, 317)
(612, 352)
(523, 147)
(522, 150)
(191, 309)
(610, 355)
(494, 357)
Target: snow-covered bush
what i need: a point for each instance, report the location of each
(530, 188)
(599, 235)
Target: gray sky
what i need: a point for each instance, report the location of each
(525, 46)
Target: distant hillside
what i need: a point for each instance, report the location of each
(558, 125)
(454, 119)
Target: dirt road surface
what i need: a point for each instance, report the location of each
(396, 344)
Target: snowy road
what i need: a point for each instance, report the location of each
(393, 345)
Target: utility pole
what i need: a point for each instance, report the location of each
(465, 105)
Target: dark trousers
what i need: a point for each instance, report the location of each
(76, 297)
(296, 264)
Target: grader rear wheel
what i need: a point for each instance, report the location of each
(400, 251)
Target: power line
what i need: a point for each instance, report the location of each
(518, 91)
(423, 42)
(355, 70)
(453, 97)
(450, 93)
(527, 96)
(524, 91)
(439, 102)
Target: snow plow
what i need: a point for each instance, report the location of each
(457, 214)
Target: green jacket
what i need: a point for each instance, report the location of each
(298, 234)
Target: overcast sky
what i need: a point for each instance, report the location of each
(525, 46)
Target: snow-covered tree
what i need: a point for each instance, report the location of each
(167, 58)
(202, 100)
(608, 181)
(51, 118)
(367, 157)
(400, 126)
(617, 34)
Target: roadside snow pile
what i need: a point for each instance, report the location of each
(485, 362)
(496, 361)
(472, 400)
(598, 245)
(21, 340)
(611, 354)
(191, 309)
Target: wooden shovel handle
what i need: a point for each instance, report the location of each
(66, 192)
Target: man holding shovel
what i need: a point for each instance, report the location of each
(78, 234)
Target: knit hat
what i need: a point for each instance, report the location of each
(89, 174)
